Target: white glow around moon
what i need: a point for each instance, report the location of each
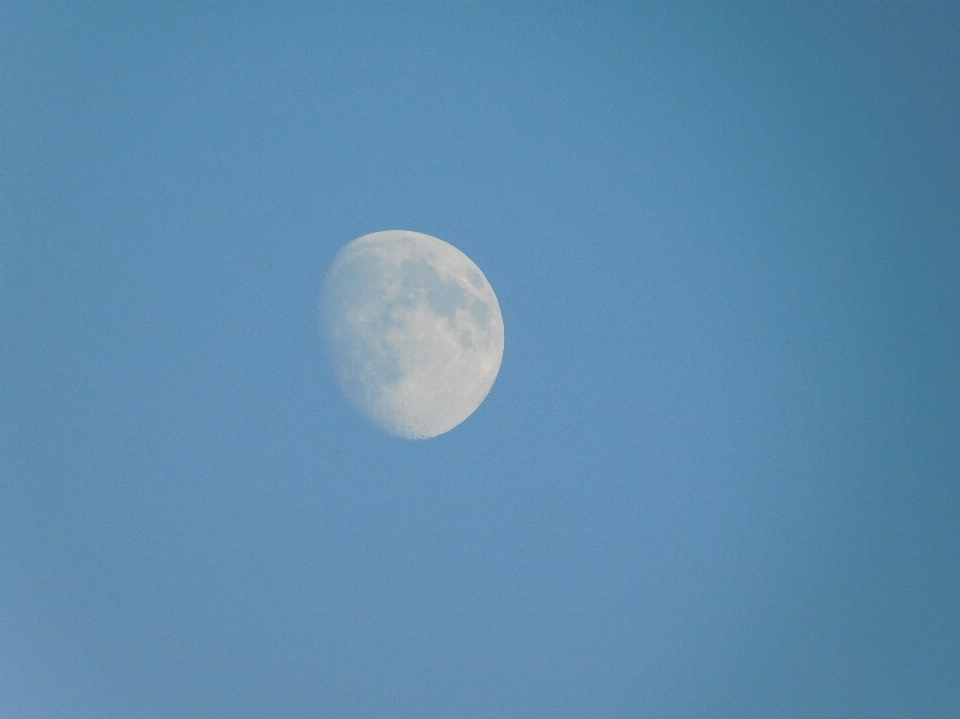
(414, 331)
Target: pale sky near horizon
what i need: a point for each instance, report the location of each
(717, 476)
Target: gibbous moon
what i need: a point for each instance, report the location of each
(413, 330)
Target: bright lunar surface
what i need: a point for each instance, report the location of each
(414, 331)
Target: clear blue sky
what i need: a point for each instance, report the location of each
(718, 475)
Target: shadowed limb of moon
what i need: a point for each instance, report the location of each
(413, 330)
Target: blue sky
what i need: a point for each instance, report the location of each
(718, 474)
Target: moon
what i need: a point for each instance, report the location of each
(413, 330)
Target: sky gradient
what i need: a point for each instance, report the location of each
(717, 476)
